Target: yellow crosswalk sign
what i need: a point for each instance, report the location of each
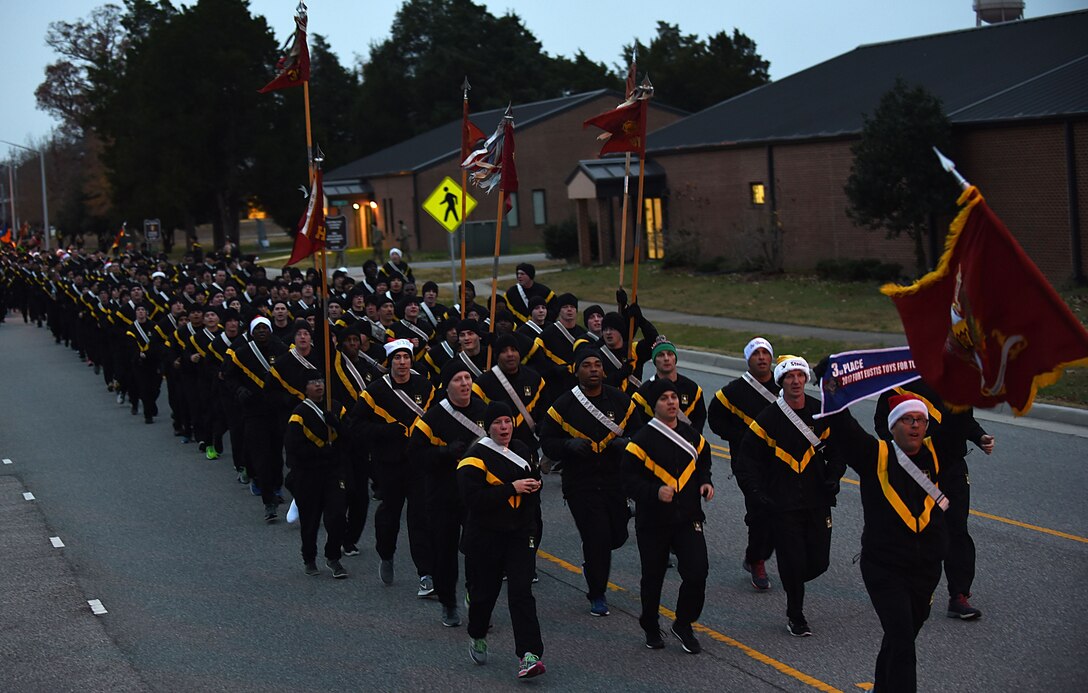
(444, 204)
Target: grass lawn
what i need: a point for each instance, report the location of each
(794, 299)
(732, 343)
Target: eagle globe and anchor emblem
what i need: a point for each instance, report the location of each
(967, 340)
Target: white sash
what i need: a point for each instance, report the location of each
(595, 412)
(370, 359)
(524, 298)
(303, 361)
(675, 437)
(920, 478)
(403, 396)
(619, 365)
(798, 423)
(225, 338)
(430, 315)
(260, 357)
(449, 350)
(460, 418)
(143, 335)
(210, 335)
(513, 395)
(509, 454)
(361, 384)
(535, 328)
(316, 409)
(476, 372)
(563, 331)
(413, 328)
(758, 387)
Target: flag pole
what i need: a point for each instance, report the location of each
(315, 164)
(629, 90)
(623, 214)
(465, 86)
(647, 90)
(495, 268)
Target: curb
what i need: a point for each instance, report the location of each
(721, 364)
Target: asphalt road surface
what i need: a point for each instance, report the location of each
(200, 594)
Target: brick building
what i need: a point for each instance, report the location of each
(385, 191)
(1017, 97)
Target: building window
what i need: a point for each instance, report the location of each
(512, 215)
(758, 193)
(655, 240)
(540, 213)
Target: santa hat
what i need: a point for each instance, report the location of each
(398, 345)
(790, 363)
(901, 405)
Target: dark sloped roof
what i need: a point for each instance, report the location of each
(611, 169)
(444, 141)
(1024, 69)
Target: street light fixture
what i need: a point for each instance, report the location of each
(45, 200)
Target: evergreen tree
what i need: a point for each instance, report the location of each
(896, 182)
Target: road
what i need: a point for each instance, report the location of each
(201, 595)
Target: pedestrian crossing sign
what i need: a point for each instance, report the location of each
(444, 204)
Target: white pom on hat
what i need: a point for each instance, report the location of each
(791, 363)
(757, 343)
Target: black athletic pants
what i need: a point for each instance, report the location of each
(319, 494)
(802, 544)
(489, 555)
(760, 544)
(901, 598)
(601, 519)
(686, 540)
(959, 564)
(402, 482)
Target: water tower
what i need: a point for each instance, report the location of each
(998, 11)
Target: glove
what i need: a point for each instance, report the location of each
(634, 313)
(576, 448)
(456, 449)
(618, 443)
(621, 299)
(821, 368)
(333, 420)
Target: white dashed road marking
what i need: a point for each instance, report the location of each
(57, 543)
(96, 607)
(28, 496)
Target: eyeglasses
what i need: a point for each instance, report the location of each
(913, 420)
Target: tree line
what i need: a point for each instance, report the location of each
(161, 117)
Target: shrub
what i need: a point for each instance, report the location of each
(861, 270)
(561, 240)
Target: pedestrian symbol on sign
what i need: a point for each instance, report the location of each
(444, 204)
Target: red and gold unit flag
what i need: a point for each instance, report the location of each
(293, 68)
(311, 227)
(625, 128)
(986, 327)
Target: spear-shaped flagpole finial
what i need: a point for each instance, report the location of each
(301, 9)
(319, 156)
(646, 89)
(950, 166)
(465, 86)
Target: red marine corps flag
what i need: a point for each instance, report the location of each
(293, 68)
(624, 126)
(986, 327)
(311, 227)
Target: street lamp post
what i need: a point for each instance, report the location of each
(45, 199)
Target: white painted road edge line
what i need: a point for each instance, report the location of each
(57, 543)
(28, 496)
(96, 607)
(7, 461)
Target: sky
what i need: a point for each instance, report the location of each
(791, 34)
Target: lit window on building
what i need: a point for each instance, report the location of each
(759, 193)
